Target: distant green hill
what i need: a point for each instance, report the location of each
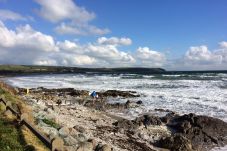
(29, 69)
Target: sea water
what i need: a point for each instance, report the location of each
(200, 93)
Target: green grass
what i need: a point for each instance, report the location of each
(51, 123)
(8, 97)
(11, 137)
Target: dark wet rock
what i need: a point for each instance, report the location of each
(145, 120)
(59, 102)
(177, 142)
(58, 92)
(189, 132)
(126, 124)
(168, 117)
(130, 104)
(117, 93)
(164, 110)
(139, 102)
(150, 120)
(78, 93)
(102, 105)
(204, 132)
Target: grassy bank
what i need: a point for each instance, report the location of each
(14, 137)
(11, 137)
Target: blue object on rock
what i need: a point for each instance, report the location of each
(93, 94)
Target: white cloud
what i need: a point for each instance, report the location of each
(10, 15)
(68, 45)
(223, 44)
(6, 14)
(73, 18)
(110, 54)
(80, 29)
(59, 10)
(201, 55)
(148, 57)
(222, 51)
(24, 45)
(201, 58)
(26, 38)
(45, 62)
(78, 60)
(114, 41)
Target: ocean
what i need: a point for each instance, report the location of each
(200, 93)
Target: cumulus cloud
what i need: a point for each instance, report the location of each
(201, 58)
(68, 46)
(59, 10)
(24, 45)
(79, 60)
(114, 41)
(26, 38)
(147, 57)
(110, 54)
(201, 55)
(73, 18)
(10, 15)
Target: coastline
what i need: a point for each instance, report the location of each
(82, 122)
(80, 119)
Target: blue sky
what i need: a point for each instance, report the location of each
(175, 34)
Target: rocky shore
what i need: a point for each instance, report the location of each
(85, 124)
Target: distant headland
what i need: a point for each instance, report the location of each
(36, 69)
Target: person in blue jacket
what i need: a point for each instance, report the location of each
(94, 94)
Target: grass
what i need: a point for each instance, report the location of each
(14, 137)
(30, 138)
(51, 123)
(10, 136)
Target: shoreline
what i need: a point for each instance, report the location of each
(84, 122)
(150, 130)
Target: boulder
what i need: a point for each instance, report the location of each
(139, 102)
(117, 93)
(70, 141)
(145, 120)
(78, 93)
(73, 132)
(85, 146)
(57, 144)
(82, 137)
(64, 132)
(176, 143)
(93, 141)
(202, 131)
(79, 129)
(105, 148)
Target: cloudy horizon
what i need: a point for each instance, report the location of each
(69, 34)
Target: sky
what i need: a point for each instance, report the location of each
(170, 34)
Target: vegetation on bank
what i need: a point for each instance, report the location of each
(12, 135)
(51, 123)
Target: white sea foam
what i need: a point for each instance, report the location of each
(204, 94)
